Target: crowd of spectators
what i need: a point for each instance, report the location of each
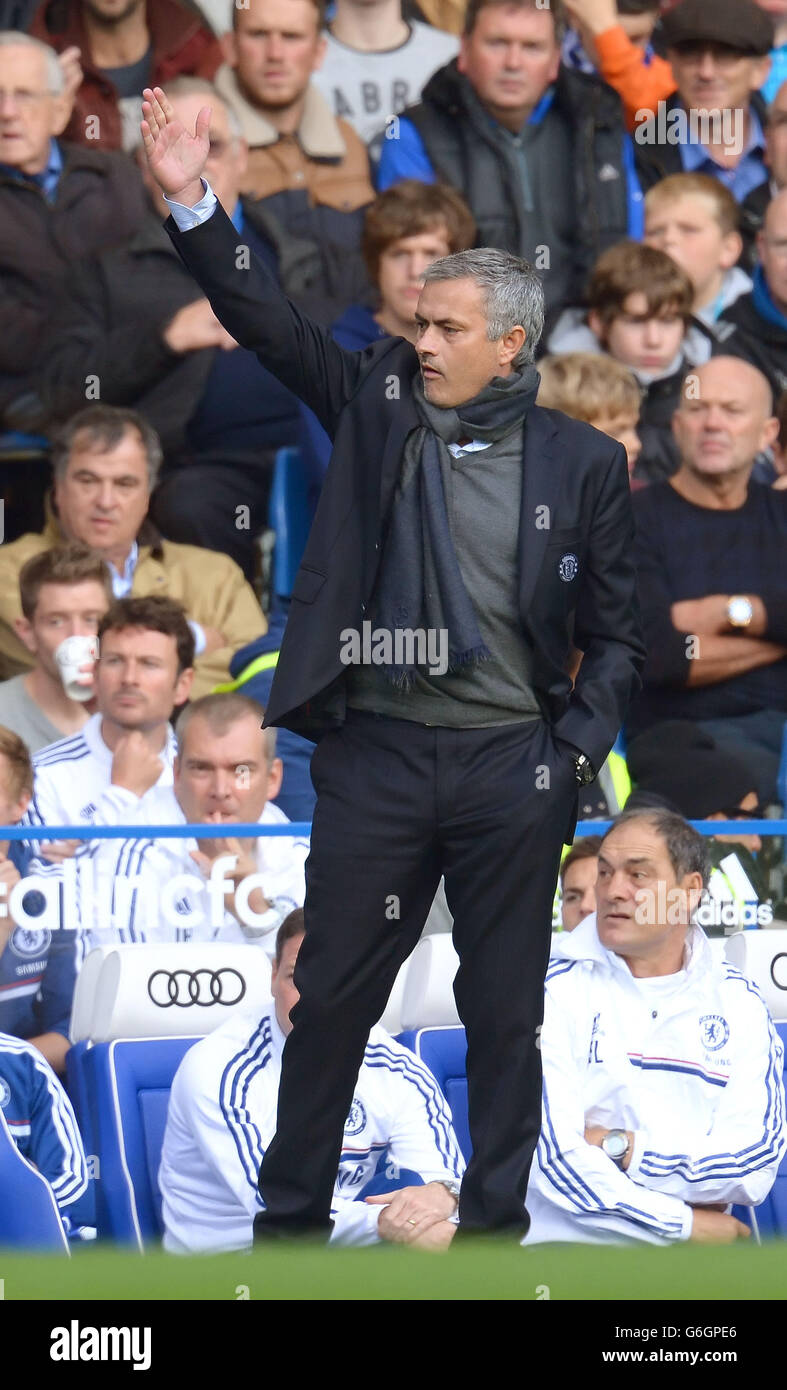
(636, 157)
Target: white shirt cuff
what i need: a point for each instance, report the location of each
(186, 219)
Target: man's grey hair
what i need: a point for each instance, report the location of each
(221, 711)
(186, 86)
(513, 293)
(10, 38)
(102, 428)
(687, 850)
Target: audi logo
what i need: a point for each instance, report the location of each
(201, 987)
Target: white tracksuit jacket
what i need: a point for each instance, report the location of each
(690, 1062)
(222, 1117)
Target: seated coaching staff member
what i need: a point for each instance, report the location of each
(472, 774)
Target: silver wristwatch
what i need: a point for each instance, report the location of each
(740, 611)
(616, 1145)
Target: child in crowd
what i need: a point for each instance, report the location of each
(592, 387)
(694, 219)
(640, 312)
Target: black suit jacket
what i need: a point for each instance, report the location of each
(575, 502)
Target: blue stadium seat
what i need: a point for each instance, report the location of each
(292, 507)
(128, 1086)
(771, 1215)
(29, 1217)
(77, 1088)
(444, 1051)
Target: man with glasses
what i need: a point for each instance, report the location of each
(58, 203)
(713, 122)
(709, 549)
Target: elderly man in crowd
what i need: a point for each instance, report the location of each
(58, 203)
(106, 461)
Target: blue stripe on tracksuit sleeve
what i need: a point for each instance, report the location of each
(437, 1112)
(566, 1180)
(403, 157)
(233, 1091)
(765, 1151)
(55, 1142)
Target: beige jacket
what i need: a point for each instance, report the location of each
(324, 156)
(210, 586)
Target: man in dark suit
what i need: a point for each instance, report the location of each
(470, 771)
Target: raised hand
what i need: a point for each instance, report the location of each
(175, 157)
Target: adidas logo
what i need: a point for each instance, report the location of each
(607, 172)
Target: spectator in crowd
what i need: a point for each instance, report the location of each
(43, 1125)
(64, 593)
(123, 48)
(709, 550)
(309, 166)
(694, 219)
(613, 39)
(58, 203)
(754, 204)
(134, 320)
(377, 62)
(406, 228)
(713, 121)
(701, 780)
(37, 965)
(222, 1117)
(759, 318)
(106, 462)
(639, 312)
(144, 671)
(777, 74)
(595, 388)
(526, 141)
(226, 771)
(634, 1146)
(448, 15)
(578, 881)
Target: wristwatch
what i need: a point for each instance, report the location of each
(584, 769)
(270, 921)
(739, 611)
(452, 1187)
(616, 1145)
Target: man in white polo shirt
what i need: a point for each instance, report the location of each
(663, 1099)
(98, 775)
(150, 888)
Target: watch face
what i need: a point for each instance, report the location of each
(739, 611)
(615, 1144)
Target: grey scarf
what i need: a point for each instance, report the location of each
(420, 584)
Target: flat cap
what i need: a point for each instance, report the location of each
(740, 24)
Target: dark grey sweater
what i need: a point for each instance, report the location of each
(483, 491)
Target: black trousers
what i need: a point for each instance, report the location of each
(398, 804)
